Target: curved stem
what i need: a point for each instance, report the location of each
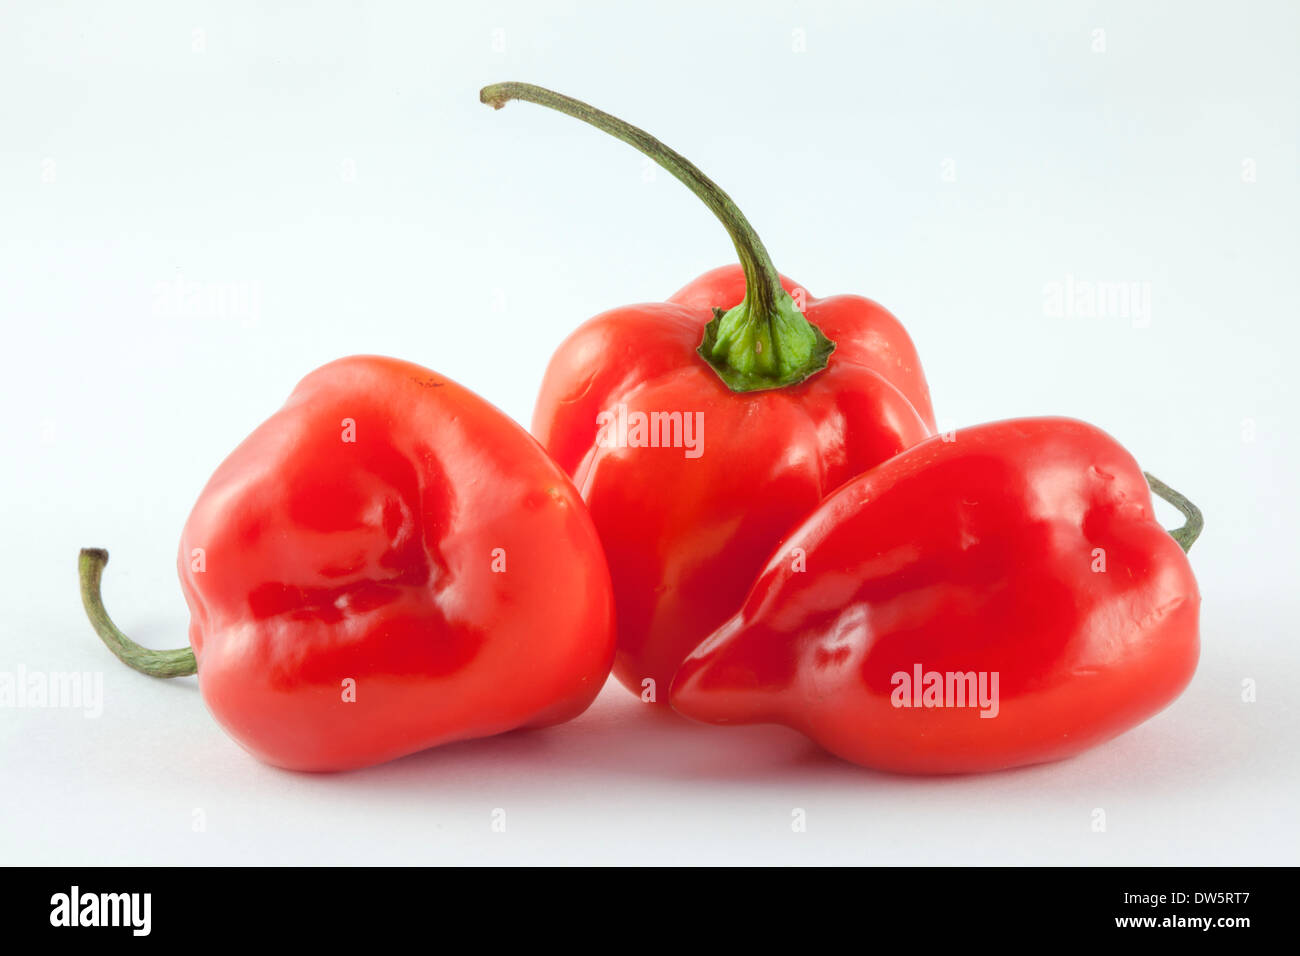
(764, 342)
(177, 663)
(1189, 532)
(762, 281)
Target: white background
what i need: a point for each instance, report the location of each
(332, 164)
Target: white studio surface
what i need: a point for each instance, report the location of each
(201, 202)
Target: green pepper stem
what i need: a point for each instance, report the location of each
(1189, 532)
(765, 342)
(177, 663)
(762, 281)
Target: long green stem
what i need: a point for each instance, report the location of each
(765, 341)
(177, 663)
(1189, 532)
(762, 281)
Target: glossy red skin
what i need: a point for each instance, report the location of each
(970, 555)
(685, 537)
(372, 561)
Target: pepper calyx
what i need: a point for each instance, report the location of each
(753, 349)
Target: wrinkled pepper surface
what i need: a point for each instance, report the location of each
(1001, 598)
(386, 564)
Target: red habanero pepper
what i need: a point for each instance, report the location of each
(1003, 598)
(753, 401)
(373, 572)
